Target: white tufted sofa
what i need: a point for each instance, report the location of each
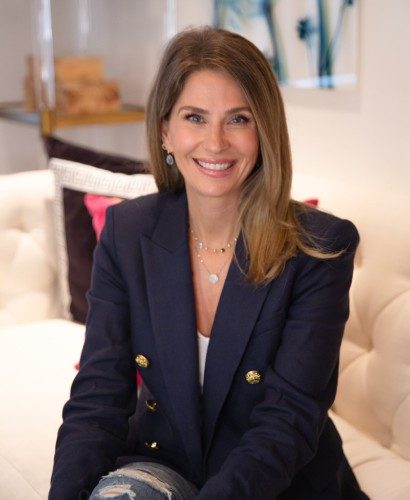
(38, 351)
(372, 408)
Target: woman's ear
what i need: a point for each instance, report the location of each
(165, 134)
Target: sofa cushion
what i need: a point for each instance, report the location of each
(56, 148)
(97, 206)
(76, 236)
(36, 369)
(80, 239)
(381, 473)
(14, 485)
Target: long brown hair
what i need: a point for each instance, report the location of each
(268, 216)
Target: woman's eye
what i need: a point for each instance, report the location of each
(239, 119)
(194, 118)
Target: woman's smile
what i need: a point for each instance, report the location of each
(214, 167)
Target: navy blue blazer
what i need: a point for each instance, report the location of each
(236, 440)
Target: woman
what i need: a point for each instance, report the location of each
(228, 298)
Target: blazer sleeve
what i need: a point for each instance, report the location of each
(103, 395)
(300, 383)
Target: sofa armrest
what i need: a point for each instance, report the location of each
(28, 265)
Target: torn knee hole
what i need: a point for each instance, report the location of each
(114, 490)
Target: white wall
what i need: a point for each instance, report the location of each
(360, 136)
(19, 145)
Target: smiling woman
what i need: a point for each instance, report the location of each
(228, 298)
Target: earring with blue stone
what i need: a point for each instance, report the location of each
(169, 158)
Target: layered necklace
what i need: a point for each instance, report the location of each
(201, 247)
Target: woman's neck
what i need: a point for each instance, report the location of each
(213, 220)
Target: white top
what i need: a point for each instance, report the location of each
(203, 343)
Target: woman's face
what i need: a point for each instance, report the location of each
(212, 134)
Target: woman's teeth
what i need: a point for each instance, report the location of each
(214, 166)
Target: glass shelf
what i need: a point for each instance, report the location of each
(15, 111)
(48, 119)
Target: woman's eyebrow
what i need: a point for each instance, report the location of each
(195, 109)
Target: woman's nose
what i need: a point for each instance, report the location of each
(216, 139)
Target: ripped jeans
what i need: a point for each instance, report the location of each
(144, 480)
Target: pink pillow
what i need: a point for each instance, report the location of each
(97, 206)
(312, 201)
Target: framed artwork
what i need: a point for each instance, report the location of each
(309, 43)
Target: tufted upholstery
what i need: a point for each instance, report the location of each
(374, 385)
(28, 274)
(372, 408)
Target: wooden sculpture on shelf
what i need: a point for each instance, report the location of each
(80, 87)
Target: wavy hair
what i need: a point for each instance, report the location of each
(268, 217)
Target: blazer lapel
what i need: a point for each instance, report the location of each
(172, 311)
(237, 312)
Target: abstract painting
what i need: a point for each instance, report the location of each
(309, 43)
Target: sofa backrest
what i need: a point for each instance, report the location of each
(28, 269)
(374, 383)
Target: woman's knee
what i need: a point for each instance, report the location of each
(143, 480)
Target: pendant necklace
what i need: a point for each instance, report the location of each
(213, 278)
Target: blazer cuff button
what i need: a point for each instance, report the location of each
(142, 361)
(153, 445)
(253, 377)
(151, 405)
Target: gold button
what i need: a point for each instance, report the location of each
(153, 445)
(253, 377)
(151, 405)
(142, 361)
